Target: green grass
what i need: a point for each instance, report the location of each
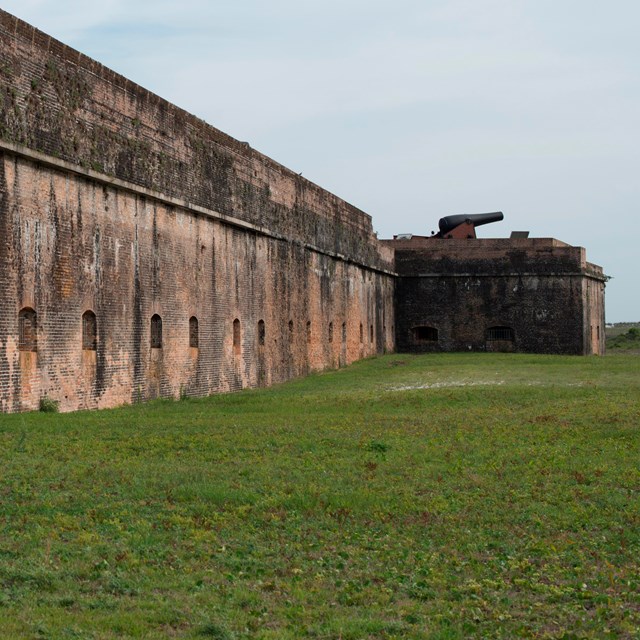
(440, 496)
(620, 340)
(614, 330)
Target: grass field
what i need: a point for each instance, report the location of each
(614, 330)
(444, 496)
(624, 337)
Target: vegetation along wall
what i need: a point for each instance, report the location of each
(144, 253)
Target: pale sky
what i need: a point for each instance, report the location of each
(411, 109)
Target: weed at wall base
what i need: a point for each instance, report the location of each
(48, 405)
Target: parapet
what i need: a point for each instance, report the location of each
(58, 102)
(419, 255)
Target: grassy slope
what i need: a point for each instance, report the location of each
(623, 339)
(618, 328)
(340, 506)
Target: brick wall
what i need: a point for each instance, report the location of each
(593, 316)
(118, 205)
(76, 246)
(468, 294)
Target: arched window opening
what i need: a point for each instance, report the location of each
(194, 338)
(361, 333)
(500, 333)
(425, 334)
(156, 331)
(236, 335)
(308, 331)
(27, 330)
(290, 331)
(261, 333)
(89, 331)
(344, 332)
(331, 332)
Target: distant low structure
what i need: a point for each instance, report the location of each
(144, 253)
(536, 295)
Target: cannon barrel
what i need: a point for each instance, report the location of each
(449, 223)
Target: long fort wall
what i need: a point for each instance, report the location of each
(145, 253)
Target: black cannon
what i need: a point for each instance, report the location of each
(464, 225)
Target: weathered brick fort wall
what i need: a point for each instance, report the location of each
(535, 295)
(144, 253)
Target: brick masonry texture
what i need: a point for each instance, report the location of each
(115, 202)
(542, 289)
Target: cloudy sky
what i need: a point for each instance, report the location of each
(411, 109)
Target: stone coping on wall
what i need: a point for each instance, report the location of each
(494, 257)
(474, 244)
(513, 274)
